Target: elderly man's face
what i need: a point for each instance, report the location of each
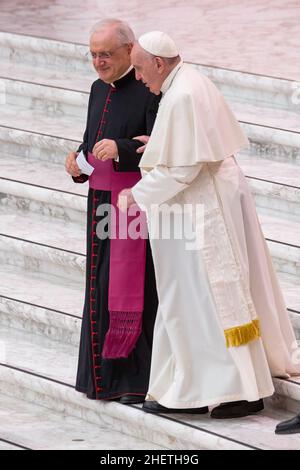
(110, 58)
(146, 69)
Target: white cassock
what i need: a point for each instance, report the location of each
(228, 283)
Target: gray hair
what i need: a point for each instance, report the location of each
(170, 61)
(123, 30)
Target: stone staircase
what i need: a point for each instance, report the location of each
(44, 89)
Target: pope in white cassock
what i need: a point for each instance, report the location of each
(222, 330)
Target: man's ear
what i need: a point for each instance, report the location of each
(160, 64)
(129, 47)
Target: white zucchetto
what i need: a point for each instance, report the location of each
(158, 44)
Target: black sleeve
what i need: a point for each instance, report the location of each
(84, 145)
(128, 158)
(152, 111)
(80, 179)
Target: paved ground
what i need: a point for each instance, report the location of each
(258, 36)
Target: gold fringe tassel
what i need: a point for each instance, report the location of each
(242, 334)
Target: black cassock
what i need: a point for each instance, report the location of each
(127, 112)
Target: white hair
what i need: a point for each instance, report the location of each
(168, 60)
(123, 30)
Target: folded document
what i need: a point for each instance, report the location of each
(84, 165)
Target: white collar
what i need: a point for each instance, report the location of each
(125, 73)
(168, 81)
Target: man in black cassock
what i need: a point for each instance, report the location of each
(120, 108)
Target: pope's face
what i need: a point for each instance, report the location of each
(110, 58)
(146, 69)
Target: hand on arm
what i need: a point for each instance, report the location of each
(125, 200)
(144, 139)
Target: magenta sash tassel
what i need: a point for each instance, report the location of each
(124, 331)
(127, 265)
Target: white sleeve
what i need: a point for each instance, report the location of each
(162, 183)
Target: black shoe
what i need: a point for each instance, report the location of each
(290, 426)
(154, 407)
(237, 409)
(131, 399)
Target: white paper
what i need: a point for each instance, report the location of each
(84, 165)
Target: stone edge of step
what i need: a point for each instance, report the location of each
(162, 430)
(60, 325)
(22, 311)
(247, 79)
(44, 45)
(44, 92)
(275, 189)
(262, 134)
(79, 99)
(43, 328)
(288, 389)
(165, 430)
(79, 50)
(43, 194)
(42, 252)
(21, 136)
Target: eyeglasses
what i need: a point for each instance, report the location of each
(105, 54)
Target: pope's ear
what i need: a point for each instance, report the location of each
(160, 64)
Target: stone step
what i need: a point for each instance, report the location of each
(66, 236)
(53, 244)
(283, 240)
(290, 286)
(295, 320)
(42, 321)
(55, 77)
(276, 197)
(271, 143)
(41, 258)
(44, 99)
(52, 305)
(62, 113)
(267, 107)
(42, 303)
(26, 58)
(41, 174)
(35, 427)
(44, 53)
(266, 117)
(59, 200)
(29, 145)
(37, 243)
(275, 186)
(38, 146)
(256, 89)
(259, 168)
(42, 200)
(43, 188)
(35, 121)
(287, 393)
(43, 371)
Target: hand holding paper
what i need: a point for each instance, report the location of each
(84, 165)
